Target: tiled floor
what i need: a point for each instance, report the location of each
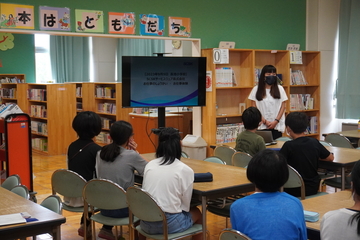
(44, 166)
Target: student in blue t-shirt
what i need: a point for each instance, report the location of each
(268, 213)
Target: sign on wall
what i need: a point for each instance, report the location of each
(16, 16)
(54, 18)
(179, 27)
(121, 23)
(89, 21)
(151, 24)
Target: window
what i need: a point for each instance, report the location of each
(42, 59)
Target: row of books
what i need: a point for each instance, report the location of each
(103, 137)
(300, 102)
(39, 127)
(106, 122)
(36, 94)
(11, 80)
(109, 108)
(225, 77)
(38, 111)
(313, 125)
(78, 91)
(104, 92)
(228, 132)
(79, 106)
(9, 108)
(257, 75)
(297, 78)
(40, 144)
(8, 92)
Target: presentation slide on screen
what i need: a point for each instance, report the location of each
(164, 82)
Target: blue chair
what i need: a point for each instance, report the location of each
(284, 139)
(241, 159)
(231, 234)
(22, 191)
(214, 160)
(224, 153)
(11, 182)
(338, 140)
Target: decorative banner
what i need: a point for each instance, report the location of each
(121, 23)
(89, 21)
(6, 41)
(151, 24)
(16, 16)
(179, 27)
(52, 18)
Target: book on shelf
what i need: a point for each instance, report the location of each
(36, 94)
(299, 102)
(103, 137)
(38, 111)
(228, 132)
(109, 108)
(313, 125)
(8, 92)
(11, 80)
(40, 144)
(105, 92)
(106, 122)
(78, 91)
(225, 77)
(39, 127)
(297, 78)
(257, 75)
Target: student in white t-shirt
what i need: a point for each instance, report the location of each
(269, 97)
(344, 223)
(170, 182)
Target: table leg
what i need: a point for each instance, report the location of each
(56, 233)
(342, 178)
(203, 204)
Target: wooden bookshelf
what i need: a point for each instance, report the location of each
(244, 62)
(14, 91)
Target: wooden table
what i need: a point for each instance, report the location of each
(324, 204)
(349, 134)
(227, 180)
(48, 221)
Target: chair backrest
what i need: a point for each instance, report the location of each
(67, 183)
(224, 153)
(22, 191)
(184, 154)
(295, 180)
(104, 194)
(214, 160)
(53, 203)
(284, 139)
(324, 143)
(231, 234)
(338, 140)
(241, 159)
(145, 207)
(11, 182)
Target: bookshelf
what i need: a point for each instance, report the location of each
(52, 108)
(12, 87)
(222, 103)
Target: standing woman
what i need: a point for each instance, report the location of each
(269, 98)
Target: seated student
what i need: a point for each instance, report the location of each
(117, 162)
(81, 154)
(268, 213)
(344, 223)
(248, 141)
(170, 182)
(303, 153)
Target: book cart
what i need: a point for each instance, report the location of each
(17, 155)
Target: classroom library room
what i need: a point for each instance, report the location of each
(212, 120)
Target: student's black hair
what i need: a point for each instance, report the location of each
(355, 178)
(87, 124)
(251, 118)
(274, 90)
(120, 133)
(169, 145)
(297, 121)
(268, 170)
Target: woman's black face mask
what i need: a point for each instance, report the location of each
(270, 79)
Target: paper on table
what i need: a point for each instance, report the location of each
(9, 219)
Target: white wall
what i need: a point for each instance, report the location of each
(104, 50)
(321, 35)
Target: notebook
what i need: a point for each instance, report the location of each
(267, 136)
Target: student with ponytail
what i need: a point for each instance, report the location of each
(344, 223)
(117, 162)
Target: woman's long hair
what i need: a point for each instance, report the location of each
(169, 145)
(274, 90)
(120, 132)
(355, 178)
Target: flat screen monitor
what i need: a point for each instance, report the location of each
(163, 81)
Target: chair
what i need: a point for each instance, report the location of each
(295, 180)
(214, 160)
(145, 207)
(231, 234)
(224, 153)
(338, 140)
(284, 139)
(324, 143)
(336, 182)
(105, 194)
(53, 203)
(69, 184)
(11, 182)
(22, 191)
(241, 159)
(184, 154)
